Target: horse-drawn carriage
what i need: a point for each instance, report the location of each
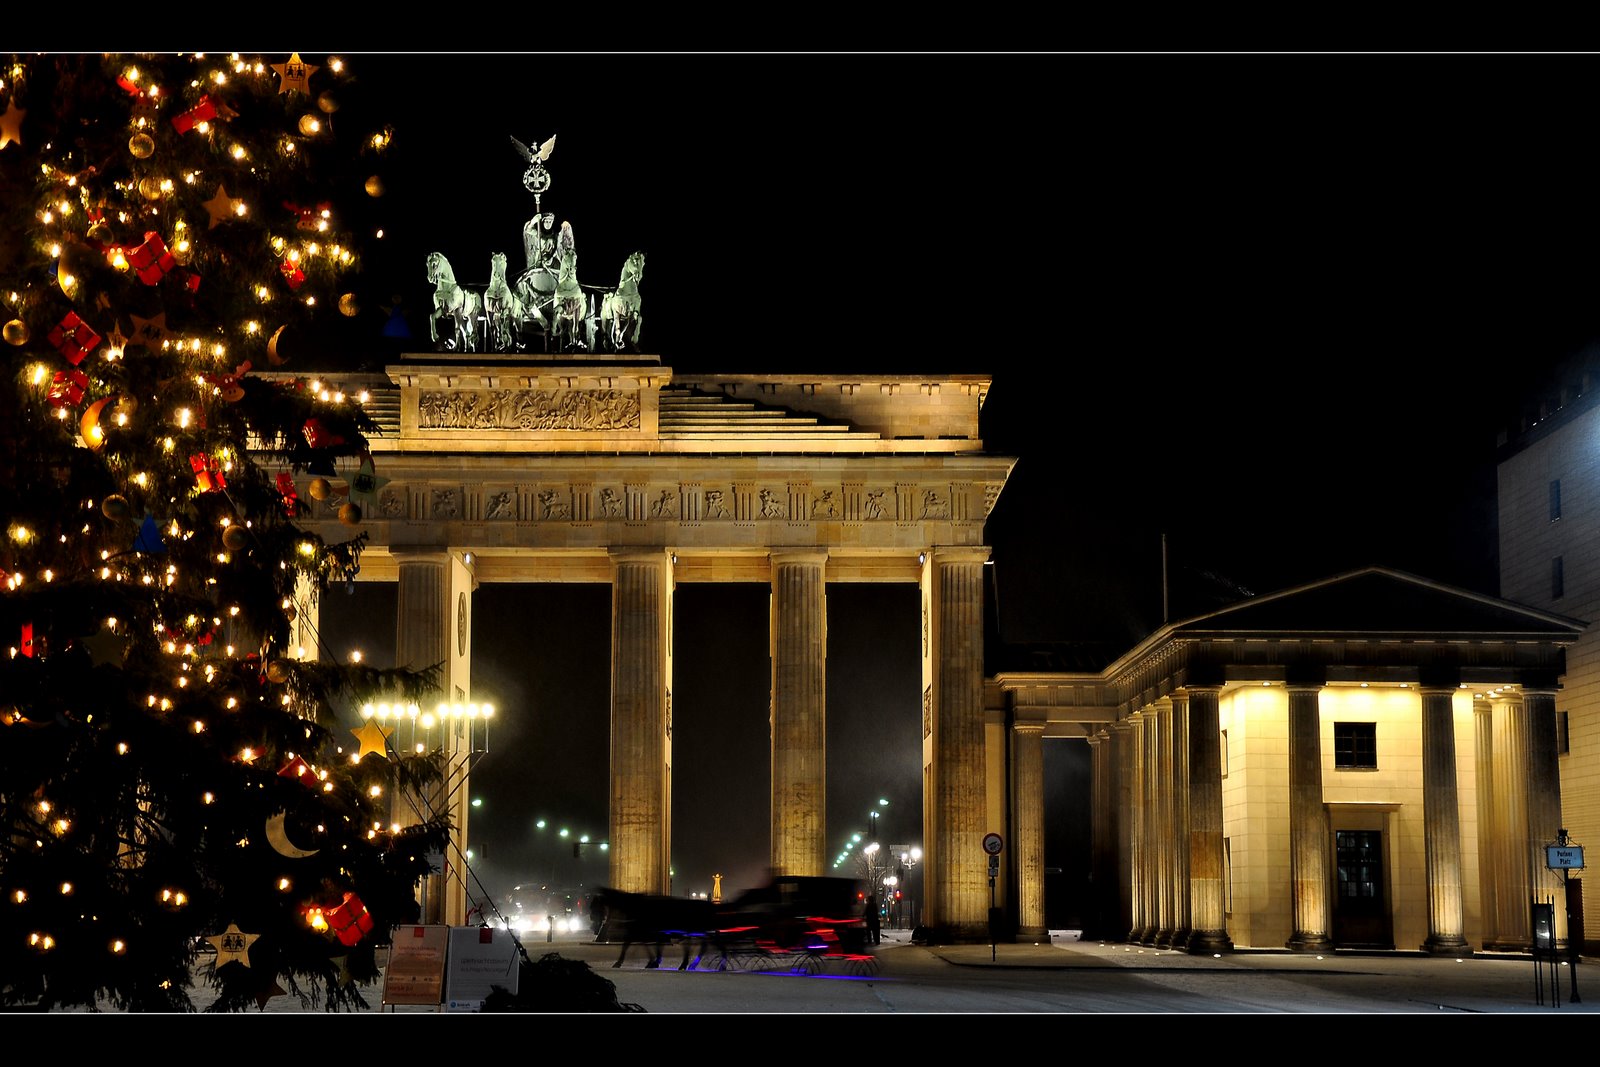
(800, 924)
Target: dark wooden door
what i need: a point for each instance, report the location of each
(1361, 908)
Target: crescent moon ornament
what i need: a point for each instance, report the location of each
(279, 840)
(272, 348)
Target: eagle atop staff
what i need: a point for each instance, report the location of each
(536, 179)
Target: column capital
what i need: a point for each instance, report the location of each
(959, 553)
(1030, 727)
(420, 553)
(639, 555)
(798, 555)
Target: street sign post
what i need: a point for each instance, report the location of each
(993, 844)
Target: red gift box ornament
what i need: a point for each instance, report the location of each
(151, 260)
(319, 436)
(73, 338)
(204, 111)
(67, 388)
(292, 273)
(350, 920)
(207, 472)
(291, 499)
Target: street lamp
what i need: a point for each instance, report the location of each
(909, 858)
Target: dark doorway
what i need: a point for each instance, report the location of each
(1361, 908)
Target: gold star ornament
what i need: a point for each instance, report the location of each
(295, 75)
(222, 207)
(373, 738)
(11, 124)
(233, 945)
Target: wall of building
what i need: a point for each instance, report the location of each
(1530, 539)
(1255, 803)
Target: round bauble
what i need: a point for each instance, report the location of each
(310, 125)
(319, 489)
(327, 102)
(234, 538)
(278, 671)
(350, 513)
(349, 306)
(150, 188)
(289, 612)
(142, 145)
(374, 186)
(16, 332)
(115, 506)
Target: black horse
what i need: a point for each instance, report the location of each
(654, 921)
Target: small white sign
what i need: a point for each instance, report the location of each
(1563, 857)
(480, 960)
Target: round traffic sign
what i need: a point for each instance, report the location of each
(992, 844)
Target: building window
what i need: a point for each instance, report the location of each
(1563, 739)
(1355, 746)
(1555, 500)
(1558, 580)
(1224, 753)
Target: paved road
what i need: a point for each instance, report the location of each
(1067, 975)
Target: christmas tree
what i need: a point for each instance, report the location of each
(177, 797)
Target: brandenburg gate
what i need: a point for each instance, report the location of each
(606, 468)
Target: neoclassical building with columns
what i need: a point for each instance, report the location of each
(1367, 760)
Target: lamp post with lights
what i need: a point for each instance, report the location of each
(459, 733)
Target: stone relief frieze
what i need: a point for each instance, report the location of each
(667, 505)
(927, 710)
(551, 506)
(529, 409)
(446, 504)
(501, 505)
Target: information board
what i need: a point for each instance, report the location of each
(481, 959)
(415, 974)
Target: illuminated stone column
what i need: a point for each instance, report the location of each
(1308, 824)
(1122, 748)
(1544, 799)
(1164, 865)
(641, 681)
(1207, 902)
(952, 581)
(1180, 820)
(1441, 824)
(1150, 853)
(799, 638)
(1104, 906)
(1488, 844)
(1027, 758)
(1136, 820)
(423, 613)
(1512, 850)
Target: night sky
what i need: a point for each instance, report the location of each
(1269, 310)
